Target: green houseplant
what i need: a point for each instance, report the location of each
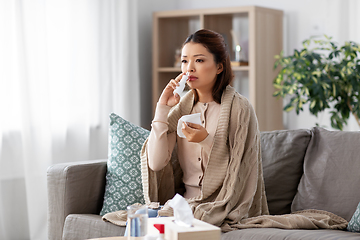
(323, 74)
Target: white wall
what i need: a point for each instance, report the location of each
(302, 18)
(145, 11)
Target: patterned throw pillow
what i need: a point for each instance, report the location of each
(123, 178)
(354, 224)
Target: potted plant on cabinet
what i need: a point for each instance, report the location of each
(324, 75)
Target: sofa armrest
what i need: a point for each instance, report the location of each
(74, 188)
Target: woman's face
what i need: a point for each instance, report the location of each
(201, 65)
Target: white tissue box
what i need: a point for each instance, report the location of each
(199, 231)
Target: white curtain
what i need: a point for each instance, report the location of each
(65, 65)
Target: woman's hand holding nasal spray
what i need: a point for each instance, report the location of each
(171, 94)
(179, 89)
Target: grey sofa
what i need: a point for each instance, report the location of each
(303, 169)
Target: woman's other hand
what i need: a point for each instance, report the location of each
(194, 132)
(167, 96)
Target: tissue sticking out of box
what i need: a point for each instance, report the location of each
(182, 211)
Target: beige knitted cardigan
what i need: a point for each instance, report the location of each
(232, 193)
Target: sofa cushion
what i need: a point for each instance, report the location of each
(123, 178)
(288, 234)
(354, 224)
(331, 173)
(283, 155)
(86, 226)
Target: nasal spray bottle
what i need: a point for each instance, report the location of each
(179, 89)
(157, 236)
(161, 229)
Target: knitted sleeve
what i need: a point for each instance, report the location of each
(160, 143)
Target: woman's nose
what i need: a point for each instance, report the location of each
(191, 67)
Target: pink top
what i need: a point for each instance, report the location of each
(193, 157)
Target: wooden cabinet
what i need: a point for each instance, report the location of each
(258, 30)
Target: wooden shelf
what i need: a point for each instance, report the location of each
(169, 69)
(260, 34)
(241, 68)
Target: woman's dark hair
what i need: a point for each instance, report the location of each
(215, 44)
